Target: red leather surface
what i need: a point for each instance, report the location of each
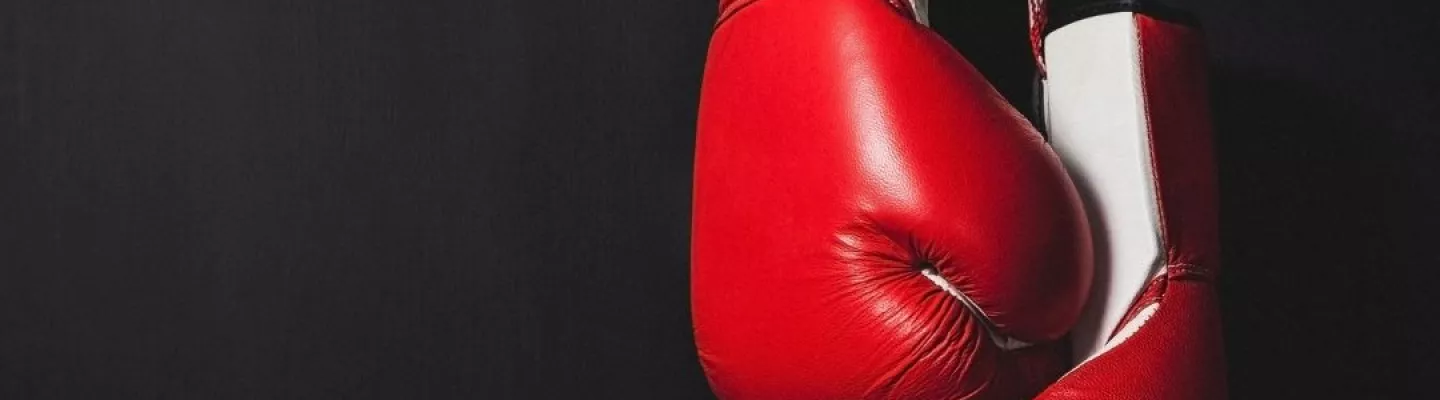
(1178, 354)
(842, 148)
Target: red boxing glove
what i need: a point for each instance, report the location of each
(1126, 107)
(871, 219)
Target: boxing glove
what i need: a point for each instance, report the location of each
(871, 219)
(1126, 109)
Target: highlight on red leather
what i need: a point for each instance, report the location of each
(871, 218)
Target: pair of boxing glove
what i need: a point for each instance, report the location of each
(872, 220)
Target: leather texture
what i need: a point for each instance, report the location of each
(1173, 348)
(871, 219)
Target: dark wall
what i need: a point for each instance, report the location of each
(445, 198)
(347, 199)
(1328, 152)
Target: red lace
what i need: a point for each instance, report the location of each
(1037, 33)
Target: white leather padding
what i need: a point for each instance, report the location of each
(922, 11)
(1096, 119)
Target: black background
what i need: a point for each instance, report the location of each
(207, 199)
